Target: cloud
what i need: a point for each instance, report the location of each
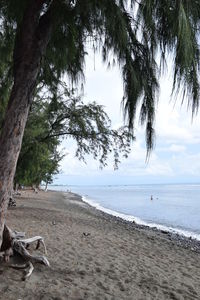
(172, 148)
(174, 122)
(177, 152)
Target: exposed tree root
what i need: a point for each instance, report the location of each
(14, 242)
(28, 267)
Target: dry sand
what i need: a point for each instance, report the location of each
(95, 256)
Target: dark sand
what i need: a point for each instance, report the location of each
(96, 256)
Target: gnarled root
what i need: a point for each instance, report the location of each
(38, 239)
(20, 247)
(14, 241)
(28, 267)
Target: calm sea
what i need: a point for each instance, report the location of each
(172, 207)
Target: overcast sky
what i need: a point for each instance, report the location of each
(176, 157)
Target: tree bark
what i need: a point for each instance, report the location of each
(31, 41)
(46, 185)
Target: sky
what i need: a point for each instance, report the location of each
(176, 156)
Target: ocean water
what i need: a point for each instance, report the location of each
(173, 207)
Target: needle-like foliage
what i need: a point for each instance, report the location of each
(56, 116)
(139, 35)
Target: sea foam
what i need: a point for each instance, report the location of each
(139, 221)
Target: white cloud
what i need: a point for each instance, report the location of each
(177, 148)
(172, 148)
(177, 152)
(186, 164)
(173, 121)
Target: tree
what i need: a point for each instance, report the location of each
(39, 159)
(56, 116)
(50, 39)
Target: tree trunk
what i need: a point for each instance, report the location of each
(46, 185)
(30, 45)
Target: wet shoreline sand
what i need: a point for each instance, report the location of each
(97, 256)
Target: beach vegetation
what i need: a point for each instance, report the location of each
(57, 116)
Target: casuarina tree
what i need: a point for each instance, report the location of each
(41, 40)
(64, 115)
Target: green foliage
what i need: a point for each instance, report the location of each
(60, 115)
(136, 36)
(7, 35)
(88, 125)
(39, 159)
(173, 27)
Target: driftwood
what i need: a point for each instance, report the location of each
(14, 242)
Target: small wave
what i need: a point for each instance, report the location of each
(139, 221)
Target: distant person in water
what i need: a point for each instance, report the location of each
(151, 197)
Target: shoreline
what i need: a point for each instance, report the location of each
(95, 256)
(187, 242)
(152, 218)
(140, 222)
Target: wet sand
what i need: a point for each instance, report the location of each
(97, 256)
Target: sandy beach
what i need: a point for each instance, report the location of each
(96, 256)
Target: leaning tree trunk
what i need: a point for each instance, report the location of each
(30, 45)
